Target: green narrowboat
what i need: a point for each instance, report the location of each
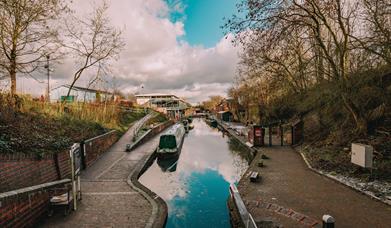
(171, 141)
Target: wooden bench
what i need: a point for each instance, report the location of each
(61, 198)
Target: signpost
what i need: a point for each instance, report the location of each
(76, 163)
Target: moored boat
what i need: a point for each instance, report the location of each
(171, 141)
(211, 122)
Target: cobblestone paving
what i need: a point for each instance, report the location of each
(107, 200)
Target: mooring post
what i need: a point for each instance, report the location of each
(328, 221)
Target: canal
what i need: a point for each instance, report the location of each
(196, 186)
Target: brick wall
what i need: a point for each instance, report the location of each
(23, 210)
(156, 130)
(20, 170)
(95, 147)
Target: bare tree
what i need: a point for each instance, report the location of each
(27, 35)
(92, 41)
(297, 43)
(377, 39)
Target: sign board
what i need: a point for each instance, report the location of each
(76, 163)
(258, 132)
(76, 158)
(362, 155)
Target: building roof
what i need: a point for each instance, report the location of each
(162, 95)
(78, 88)
(156, 95)
(221, 112)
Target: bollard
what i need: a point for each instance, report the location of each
(328, 221)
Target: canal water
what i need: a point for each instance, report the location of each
(196, 186)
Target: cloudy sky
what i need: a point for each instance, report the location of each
(172, 46)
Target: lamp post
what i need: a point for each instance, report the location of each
(48, 74)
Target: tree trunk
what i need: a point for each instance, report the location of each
(12, 72)
(360, 122)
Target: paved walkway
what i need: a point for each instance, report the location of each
(290, 192)
(108, 200)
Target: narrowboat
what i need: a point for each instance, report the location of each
(171, 141)
(211, 122)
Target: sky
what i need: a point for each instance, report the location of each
(172, 46)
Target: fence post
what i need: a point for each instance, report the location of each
(83, 155)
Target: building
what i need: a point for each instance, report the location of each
(168, 104)
(224, 105)
(225, 116)
(79, 94)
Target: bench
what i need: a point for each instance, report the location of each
(254, 176)
(61, 198)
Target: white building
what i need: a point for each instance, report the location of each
(79, 94)
(169, 104)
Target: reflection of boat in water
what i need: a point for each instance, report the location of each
(168, 164)
(186, 124)
(171, 142)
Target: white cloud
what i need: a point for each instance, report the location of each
(156, 57)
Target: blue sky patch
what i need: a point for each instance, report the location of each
(202, 19)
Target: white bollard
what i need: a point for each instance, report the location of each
(328, 221)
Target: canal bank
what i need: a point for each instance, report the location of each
(289, 194)
(112, 196)
(196, 185)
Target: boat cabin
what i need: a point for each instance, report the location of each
(171, 141)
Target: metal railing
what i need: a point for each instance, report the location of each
(245, 216)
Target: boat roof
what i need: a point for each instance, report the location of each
(172, 130)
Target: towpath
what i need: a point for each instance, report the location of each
(293, 196)
(108, 198)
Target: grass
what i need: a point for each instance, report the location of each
(155, 120)
(39, 128)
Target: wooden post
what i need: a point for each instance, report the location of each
(270, 135)
(282, 135)
(292, 135)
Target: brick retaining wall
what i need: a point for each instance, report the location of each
(24, 210)
(20, 170)
(22, 207)
(95, 147)
(156, 130)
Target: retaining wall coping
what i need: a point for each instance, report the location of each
(99, 136)
(34, 188)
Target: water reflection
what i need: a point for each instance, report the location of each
(195, 186)
(168, 164)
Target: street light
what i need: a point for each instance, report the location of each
(48, 74)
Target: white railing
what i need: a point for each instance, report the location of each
(245, 216)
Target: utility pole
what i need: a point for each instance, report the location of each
(48, 74)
